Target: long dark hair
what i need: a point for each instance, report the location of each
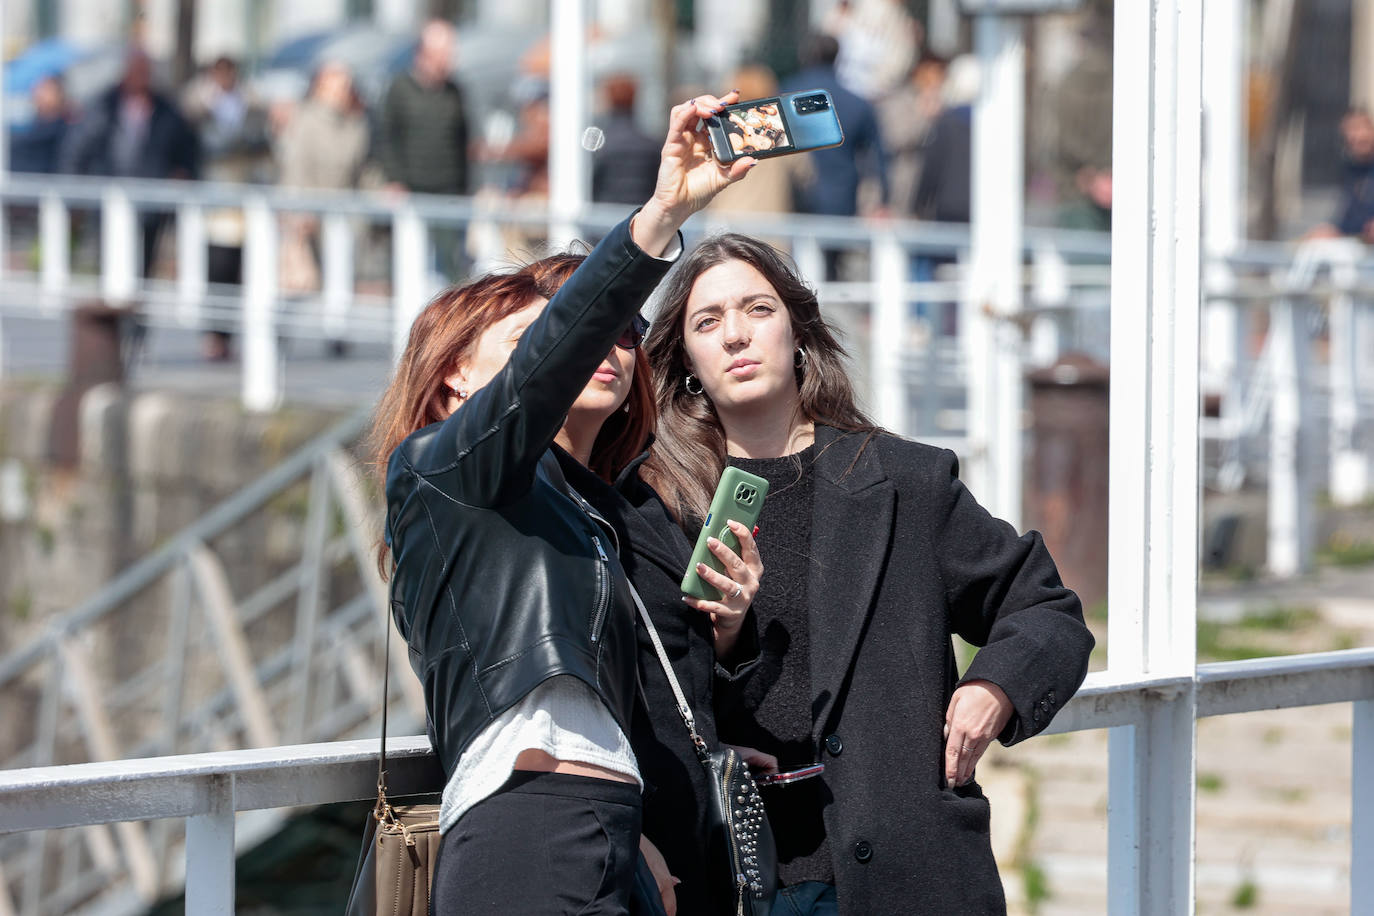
(689, 453)
(443, 337)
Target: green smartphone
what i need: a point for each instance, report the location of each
(739, 497)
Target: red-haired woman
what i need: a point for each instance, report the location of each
(514, 393)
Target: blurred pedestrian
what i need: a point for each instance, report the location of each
(907, 116)
(424, 134)
(134, 131)
(625, 168)
(878, 40)
(1355, 216)
(1083, 138)
(944, 191)
(770, 188)
(834, 188)
(232, 126)
(324, 146)
(37, 145)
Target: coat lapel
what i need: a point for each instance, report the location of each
(851, 533)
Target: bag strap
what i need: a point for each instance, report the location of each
(683, 708)
(383, 811)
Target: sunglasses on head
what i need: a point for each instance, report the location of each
(633, 335)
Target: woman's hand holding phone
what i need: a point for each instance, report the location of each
(688, 176)
(737, 586)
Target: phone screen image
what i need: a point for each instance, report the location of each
(756, 128)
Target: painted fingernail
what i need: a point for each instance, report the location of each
(701, 567)
(756, 531)
(711, 542)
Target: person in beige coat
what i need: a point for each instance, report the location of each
(323, 146)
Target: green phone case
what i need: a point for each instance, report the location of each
(739, 497)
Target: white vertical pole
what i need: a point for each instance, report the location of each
(1051, 288)
(120, 245)
(1362, 803)
(1153, 512)
(1224, 23)
(262, 381)
(998, 208)
(810, 260)
(1290, 465)
(569, 175)
(887, 334)
(54, 233)
(337, 244)
(1349, 476)
(410, 276)
(192, 264)
(210, 852)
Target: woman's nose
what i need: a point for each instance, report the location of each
(736, 328)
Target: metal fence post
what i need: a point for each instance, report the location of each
(887, 334)
(262, 382)
(410, 286)
(1154, 447)
(210, 852)
(336, 240)
(192, 264)
(1290, 465)
(121, 245)
(995, 233)
(1349, 465)
(54, 238)
(1362, 804)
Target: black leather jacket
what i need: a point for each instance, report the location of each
(501, 580)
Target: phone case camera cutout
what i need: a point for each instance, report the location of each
(793, 122)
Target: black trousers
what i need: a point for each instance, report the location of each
(545, 844)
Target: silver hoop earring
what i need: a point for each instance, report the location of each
(691, 380)
(799, 361)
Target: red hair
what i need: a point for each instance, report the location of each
(444, 336)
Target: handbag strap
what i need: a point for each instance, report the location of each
(683, 708)
(382, 811)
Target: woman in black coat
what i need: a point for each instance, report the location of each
(877, 555)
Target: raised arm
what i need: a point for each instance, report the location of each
(486, 452)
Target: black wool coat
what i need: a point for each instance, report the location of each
(654, 553)
(902, 556)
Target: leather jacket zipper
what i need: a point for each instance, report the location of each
(603, 589)
(740, 881)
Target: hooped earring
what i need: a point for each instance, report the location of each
(691, 380)
(799, 360)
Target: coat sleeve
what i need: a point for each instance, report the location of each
(485, 453)
(1004, 595)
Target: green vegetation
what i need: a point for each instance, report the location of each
(1246, 896)
(1258, 635)
(1036, 884)
(1210, 782)
(21, 603)
(1344, 549)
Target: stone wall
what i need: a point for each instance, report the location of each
(150, 464)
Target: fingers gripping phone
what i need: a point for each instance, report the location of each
(739, 497)
(793, 122)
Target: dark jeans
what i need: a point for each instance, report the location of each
(810, 898)
(545, 843)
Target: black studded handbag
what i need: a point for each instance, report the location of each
(741, 839)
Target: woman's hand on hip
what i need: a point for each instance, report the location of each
(662, 876)
(688, 176)
(737, 586)
(977, 713)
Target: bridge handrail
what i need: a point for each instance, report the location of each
(213, 523)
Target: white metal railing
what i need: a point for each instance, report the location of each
(1280, 421)
(225, 662)
(208, 789)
